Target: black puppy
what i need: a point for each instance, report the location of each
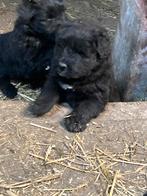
(26, 52)
(81, 75)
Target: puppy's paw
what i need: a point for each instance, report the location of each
(40, 108)
(37, 109)
(10, 92)
(74, 124)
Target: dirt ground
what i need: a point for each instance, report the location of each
(38, 157)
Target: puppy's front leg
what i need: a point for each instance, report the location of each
(7, 88)
(82, 114)
(48, 97)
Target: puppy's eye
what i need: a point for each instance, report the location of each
(82, 53)
(52, 14)
(60, 44)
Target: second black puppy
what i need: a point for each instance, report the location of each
(81, 75)
(26, 52)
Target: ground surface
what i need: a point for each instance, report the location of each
(39, 158)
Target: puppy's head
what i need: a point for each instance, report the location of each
(80, 50)
(40, 16)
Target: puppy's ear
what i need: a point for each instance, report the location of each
(27, 9)
(102, 43)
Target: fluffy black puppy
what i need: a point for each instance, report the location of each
(81, 75)
(26, 52)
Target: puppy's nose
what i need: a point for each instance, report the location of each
(62, 67)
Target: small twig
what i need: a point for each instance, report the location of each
(139, 169)
(81, 148)
(30, 182)
(58, 161)
(50, 161)
(122, 161)
(48, 152)
(69, 189)
(71, 16)
(79, 163)
(127, 191)
(114, 183)
(3, 144)
(56, 194)
(42, 127)
(25, 97)
(10, 193)
(76, 169)
(83, 151)
(61, 193)
(104, 170)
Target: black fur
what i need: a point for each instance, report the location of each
(26, 52)
(81, 75)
